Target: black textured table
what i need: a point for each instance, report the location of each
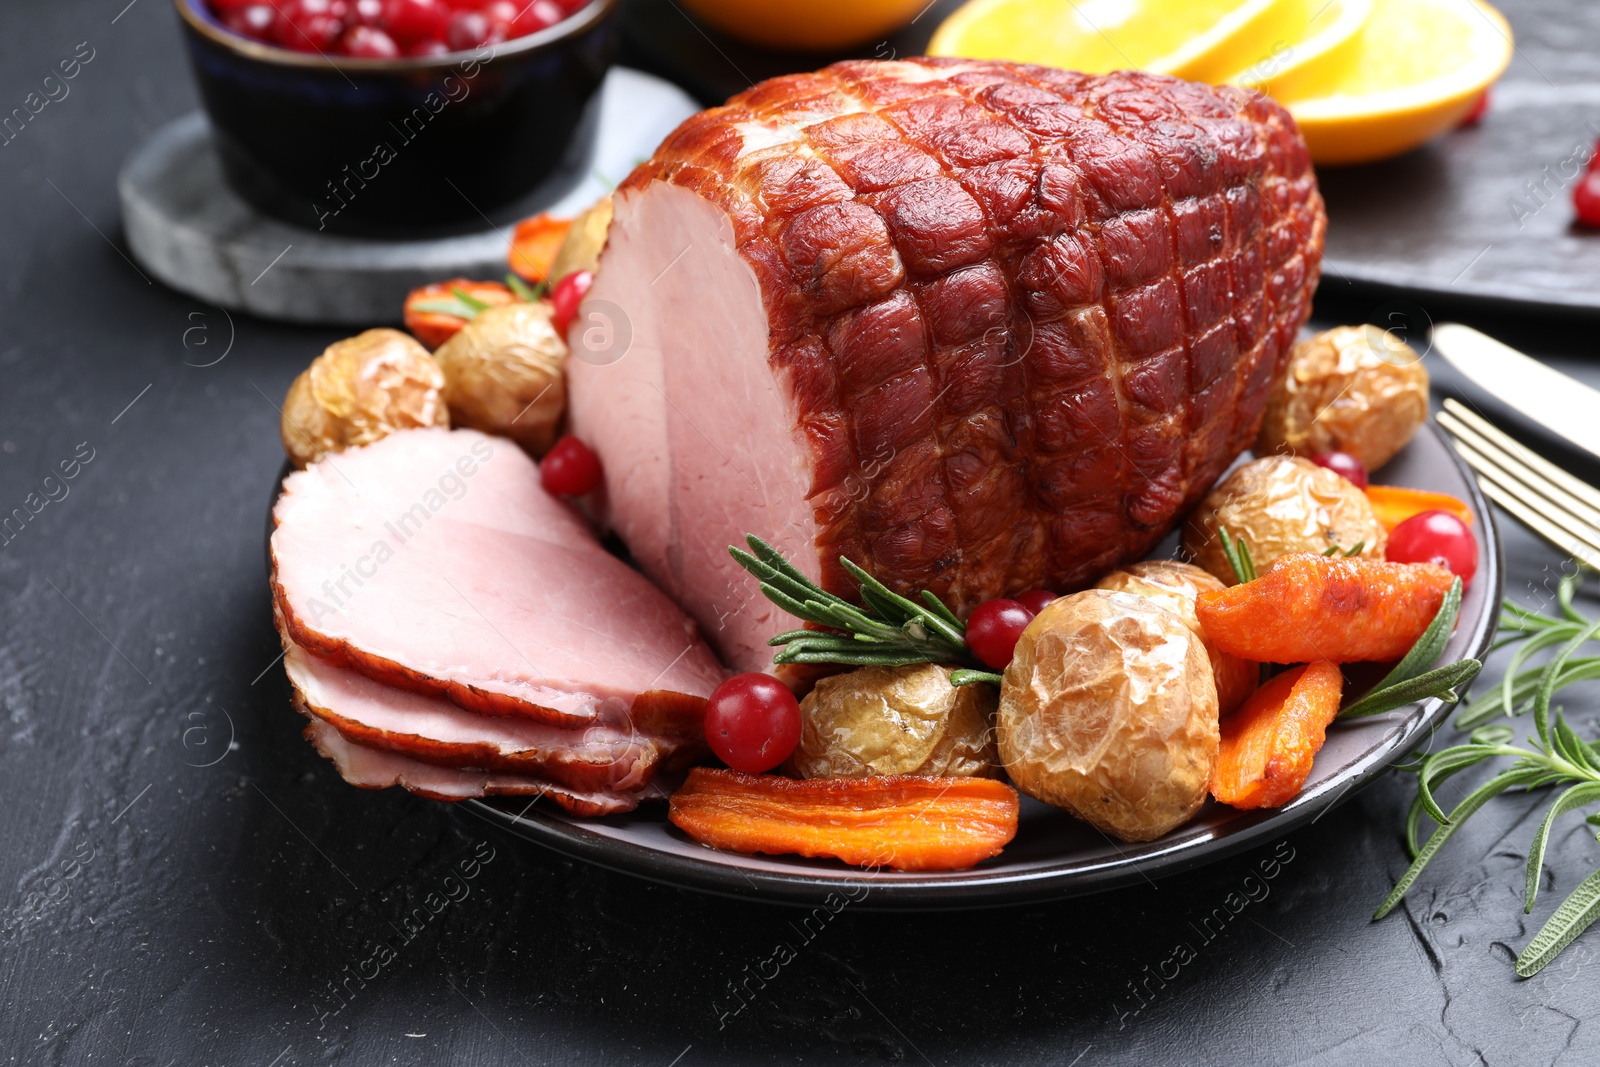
(182, 881)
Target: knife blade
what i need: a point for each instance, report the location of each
(1542, 395)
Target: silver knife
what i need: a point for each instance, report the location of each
(1541, 394)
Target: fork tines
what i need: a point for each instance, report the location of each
(1558, 507)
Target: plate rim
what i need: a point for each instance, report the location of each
(980, 889)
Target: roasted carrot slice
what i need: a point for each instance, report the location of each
(534, 244)
(1308, 608)
(907, 822)
(425, 312)
(1394, 504)
(1268, 744)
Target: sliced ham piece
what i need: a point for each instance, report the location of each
(978, 326)
(432, 560)
(373, 768)
(433, 730)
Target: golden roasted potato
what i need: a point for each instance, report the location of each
(360, 389)
(1108, 709)
(1281, 505)
(503, 375)
(1174, 586)
(895, 720)
(1355, 389)
(581, 249)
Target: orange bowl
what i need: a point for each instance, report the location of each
(807, 25)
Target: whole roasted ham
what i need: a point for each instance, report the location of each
(978, 326)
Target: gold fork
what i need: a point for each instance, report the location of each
(1564, 510)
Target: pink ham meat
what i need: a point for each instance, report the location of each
(978, 326)
(374, 768)
(435, 731)
(432, 560)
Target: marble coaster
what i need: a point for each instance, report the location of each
(186, 227)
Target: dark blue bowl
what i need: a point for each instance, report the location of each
(399, 147)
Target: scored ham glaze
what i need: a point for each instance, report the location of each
(980, 327)
(433, 560)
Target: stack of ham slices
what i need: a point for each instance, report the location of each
(451, 628)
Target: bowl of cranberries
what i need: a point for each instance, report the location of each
(399, 118)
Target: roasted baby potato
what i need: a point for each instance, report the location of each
(1355, 389)
(360, 389)
(1108, 709)
(1174, 586)
(503, 374)
(1282, 505)
(581, 249)
(895, 720)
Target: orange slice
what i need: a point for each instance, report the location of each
(1416, 70)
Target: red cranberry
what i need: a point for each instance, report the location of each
(252, 20)
(369, 42)
(366, 13)
(993, 629)
(1586, 199)
(468, 29)
(570, 468)
(1035, 599)
(537, 16)
(1480, 108)
(427, 48)
(752, 722)
(308, 25)
(565, 298)
(1343, 463)
(1435, 537)
(415, 20)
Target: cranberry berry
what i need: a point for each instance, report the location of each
(752, 722)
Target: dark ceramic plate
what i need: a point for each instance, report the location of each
(1054, 855)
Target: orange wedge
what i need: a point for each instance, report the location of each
(1200, 39)
(807, 25)
(1417, 68)
(1314, 50)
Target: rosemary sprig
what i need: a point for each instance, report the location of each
(463, 305)
(886, 630)
(524, 291)
(1555, 755)
(1237, 553)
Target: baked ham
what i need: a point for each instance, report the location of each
(432, 729)
(432, 560)
(978, 326)
(374, 768)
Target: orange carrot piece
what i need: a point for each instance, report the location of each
(434, 328)
(907, 822)
(1269, 743)
(1308, 608)
(534, 244)
(1394, 504)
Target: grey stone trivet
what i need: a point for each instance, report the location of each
(189, 229)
